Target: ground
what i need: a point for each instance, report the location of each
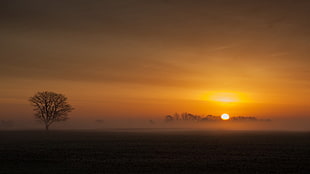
(140, 151)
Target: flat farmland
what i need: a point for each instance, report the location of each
(134, 151)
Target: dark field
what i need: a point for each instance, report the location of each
(154, 152)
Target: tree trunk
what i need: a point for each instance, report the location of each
(46, 127)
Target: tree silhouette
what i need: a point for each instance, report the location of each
(50, 107)
(169, 118)
(183, 117)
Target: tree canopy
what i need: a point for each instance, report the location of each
(50, 107)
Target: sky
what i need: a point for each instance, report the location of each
(123, 59)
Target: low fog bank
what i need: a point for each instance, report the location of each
(276, 124)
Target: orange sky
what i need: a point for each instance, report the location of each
(152, 58)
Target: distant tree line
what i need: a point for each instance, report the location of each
(182, 116)
(185, 116)
(247, 118)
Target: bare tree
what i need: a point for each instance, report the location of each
(50, 107)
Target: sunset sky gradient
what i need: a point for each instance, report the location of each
(145, 59)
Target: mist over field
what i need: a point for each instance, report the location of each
(276, 124)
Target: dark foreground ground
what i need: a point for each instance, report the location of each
(154, 152)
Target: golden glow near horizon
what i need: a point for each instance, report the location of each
(225, 117)
(225, 97)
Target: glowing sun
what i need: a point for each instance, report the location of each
(225, 117)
